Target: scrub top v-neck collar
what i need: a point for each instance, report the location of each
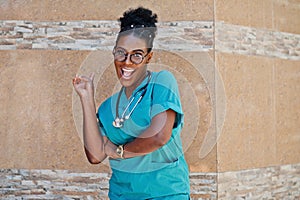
(146, 81)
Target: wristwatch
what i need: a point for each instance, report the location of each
(120, 151)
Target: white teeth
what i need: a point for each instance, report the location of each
(127, 72)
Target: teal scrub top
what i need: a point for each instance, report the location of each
(163, 172)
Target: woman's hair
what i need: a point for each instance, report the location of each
(141, 23)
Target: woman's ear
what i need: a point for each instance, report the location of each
(149, 56)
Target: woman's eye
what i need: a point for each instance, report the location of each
(138, 55)
(120, 52)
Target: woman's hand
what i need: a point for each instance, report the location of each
(110, 150)
(84, 85)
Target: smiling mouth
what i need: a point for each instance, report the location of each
(126, 73)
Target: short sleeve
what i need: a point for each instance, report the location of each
(165, 95)
(100, 124)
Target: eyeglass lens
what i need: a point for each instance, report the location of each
(120, 55)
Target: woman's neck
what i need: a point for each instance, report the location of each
(129, 90)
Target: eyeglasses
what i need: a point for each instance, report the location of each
(120, 55)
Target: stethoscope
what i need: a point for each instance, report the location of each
(119, 121)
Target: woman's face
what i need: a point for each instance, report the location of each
(129, 73)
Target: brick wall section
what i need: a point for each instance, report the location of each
(280, 182)
(52, 184)
(175, 36)
(99, 35)
(63, 184)
(203, 186)
(252, 41)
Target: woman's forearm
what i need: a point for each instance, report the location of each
(93, 141)
(157, 135)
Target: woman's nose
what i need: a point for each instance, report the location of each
(128, 60)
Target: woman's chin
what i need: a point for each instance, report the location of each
(125, 82)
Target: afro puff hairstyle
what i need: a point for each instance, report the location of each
(141, 23)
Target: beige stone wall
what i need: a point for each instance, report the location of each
(238, 60)
(237, 65)
(69, 10)
(38, 101)
(279, 15)
(261, 78)
(37, 127)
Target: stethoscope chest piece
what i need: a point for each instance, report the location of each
(118, 123)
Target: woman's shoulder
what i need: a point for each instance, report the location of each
(164, 76)
(106, 104)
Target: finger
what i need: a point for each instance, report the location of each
(85, 78)
(92, 76)
(76, 80)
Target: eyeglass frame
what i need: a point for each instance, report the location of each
(127, 54)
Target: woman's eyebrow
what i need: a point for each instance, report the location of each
(134, 50)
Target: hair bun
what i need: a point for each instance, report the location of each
(138, 18)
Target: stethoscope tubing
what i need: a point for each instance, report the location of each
(118, 122)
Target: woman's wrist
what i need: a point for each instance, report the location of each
(88, 103)
(87, 98)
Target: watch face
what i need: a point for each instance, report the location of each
(119, 150)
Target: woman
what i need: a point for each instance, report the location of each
(139, 127)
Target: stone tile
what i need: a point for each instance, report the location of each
(36, 112)
(279, 182)
(268, 14)
(228, 10)
(251, 41)
(286, 16)
(65, 184)
(260, 183)
(20, 106)
(253, 13)
(260, 14)
(287, 94)
(249, 120)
